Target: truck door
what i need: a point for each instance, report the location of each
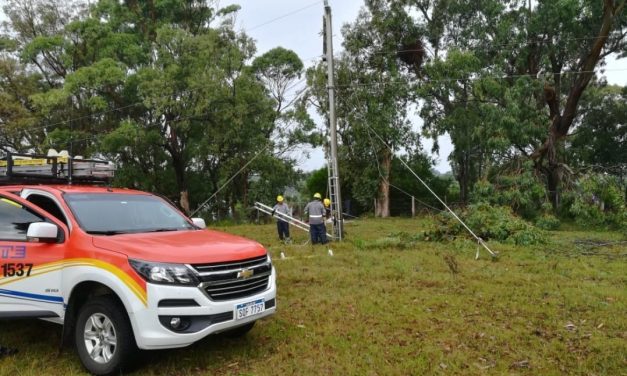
(30, 269)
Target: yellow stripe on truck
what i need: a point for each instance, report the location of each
(11, 202)
(58, 265)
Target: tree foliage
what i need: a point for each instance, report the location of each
(166, 89)
(175, 94)
(373, 103)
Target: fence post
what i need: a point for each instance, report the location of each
(375, 207)
(413, 206)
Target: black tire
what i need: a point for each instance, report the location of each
(240, 331)
(122, 353)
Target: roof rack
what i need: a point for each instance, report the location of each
(54, 168)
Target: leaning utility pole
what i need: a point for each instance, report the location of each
(334, 178)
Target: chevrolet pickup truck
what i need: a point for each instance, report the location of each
(123, 270)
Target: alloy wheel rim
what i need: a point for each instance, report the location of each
(100, 338)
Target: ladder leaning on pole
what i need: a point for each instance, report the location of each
(287, 218)
(333, 196)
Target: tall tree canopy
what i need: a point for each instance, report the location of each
(504, 78)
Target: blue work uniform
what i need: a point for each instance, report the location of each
(282, 226)
(316, 212)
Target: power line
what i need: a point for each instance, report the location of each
(475, 48)
(284, 16)
(374, 153)
(479, 240)
(388, 182)
(201, 206)
(43, 127)
(355, 85)
(141, 102)
(300, 81)
(195, 116)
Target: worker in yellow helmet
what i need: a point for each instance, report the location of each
(327, 208)
(315, 211)
(283, 227)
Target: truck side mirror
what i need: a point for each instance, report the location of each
(42, 232)
(199, 222)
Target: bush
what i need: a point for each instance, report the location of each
(489, 223)
(522, 191)
(598, 201)
(547, 222)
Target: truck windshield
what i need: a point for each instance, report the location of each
(112, 213)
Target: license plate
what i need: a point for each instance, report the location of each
(249, 309)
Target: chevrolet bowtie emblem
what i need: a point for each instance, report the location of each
(246, 273)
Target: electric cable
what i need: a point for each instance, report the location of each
(284, 16)
(479, 240)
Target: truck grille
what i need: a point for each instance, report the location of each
(234, 280)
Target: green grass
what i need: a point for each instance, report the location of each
(386, 305)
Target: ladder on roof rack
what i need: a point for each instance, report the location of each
(18, 168)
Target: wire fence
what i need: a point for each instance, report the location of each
(400, 205)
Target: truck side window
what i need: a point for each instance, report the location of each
(48, 205)
(15, 219)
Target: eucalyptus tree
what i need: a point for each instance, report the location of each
(33, 62)
(373, 102)
(202, 107)
(18, 118)
(497, 72)
(599, 139)
(281, 71)
(164, 88)
(573, 38)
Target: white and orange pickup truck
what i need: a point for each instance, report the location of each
(124, 270)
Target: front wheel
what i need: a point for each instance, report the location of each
(103, 336)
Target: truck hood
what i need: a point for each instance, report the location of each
(183, 247)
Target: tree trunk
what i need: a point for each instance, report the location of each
(185, 201)
(561, 122)
(553, 185)
(178, 163)
(181, 182)
(245, 190)
(463, 177)
(233, 209)
(383, 201)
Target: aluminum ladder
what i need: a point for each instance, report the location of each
(334, 197)
(287, 218)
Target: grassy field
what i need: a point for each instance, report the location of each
(383, 305)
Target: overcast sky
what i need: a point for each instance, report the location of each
(296, 25)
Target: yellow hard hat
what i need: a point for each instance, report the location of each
(279, 198)
(327, 202)
(317, 195)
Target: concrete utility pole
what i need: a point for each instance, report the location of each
(334, 178)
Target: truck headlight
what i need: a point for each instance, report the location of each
(168, 274)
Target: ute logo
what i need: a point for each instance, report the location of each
(246, 273)
(12, 252)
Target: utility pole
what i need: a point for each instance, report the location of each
(334, 178)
